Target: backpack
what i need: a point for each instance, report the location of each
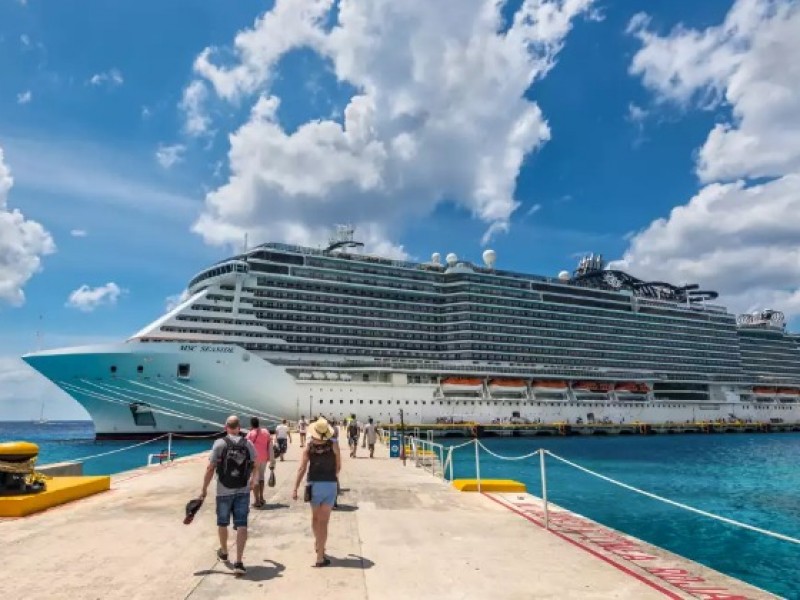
(352, 429)
(234, 466)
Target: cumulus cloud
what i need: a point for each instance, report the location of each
(736, 234)
(22, 244)
(176, 300)
(439, 114)
(167, 156)
(111, 78)
(87, 298)
(24, 97)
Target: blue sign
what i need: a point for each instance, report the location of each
(394, 447)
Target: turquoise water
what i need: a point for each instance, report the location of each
(69, 440)
(751, 478)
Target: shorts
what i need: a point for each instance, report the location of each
(283, 445)
(261, 469)
(353, 440)
(323, 492)
(236, 505)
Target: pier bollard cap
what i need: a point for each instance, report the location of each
(320, 430)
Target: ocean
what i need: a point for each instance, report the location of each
(753, 478)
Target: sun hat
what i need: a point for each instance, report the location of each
(320, 430)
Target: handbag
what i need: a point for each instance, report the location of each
(307, 493)
(271, 480)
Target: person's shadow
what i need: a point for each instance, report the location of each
(273, 506)
(345, 508)
(254, 573)
(352, 561)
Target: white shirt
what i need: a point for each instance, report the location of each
(282, 432)
(301, 426)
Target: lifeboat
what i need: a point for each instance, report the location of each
(764, 391)
(586, 386)
(462, 384)
(507, 385)
(304, 375)
(332, 376)
(550, 385)
(318, 375)
(788, 392)
(346, 377)
(629, 387)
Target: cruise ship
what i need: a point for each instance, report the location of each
(281, 331)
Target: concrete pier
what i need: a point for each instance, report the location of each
(400, 533)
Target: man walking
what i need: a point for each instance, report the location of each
(262, 442)
(284, 437)
(371, 436)
(232, 459)
(352, 436)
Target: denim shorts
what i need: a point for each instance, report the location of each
(323, 492)
(237, 505)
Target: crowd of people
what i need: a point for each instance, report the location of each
(240, 462)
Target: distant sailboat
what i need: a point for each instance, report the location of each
(42, 420)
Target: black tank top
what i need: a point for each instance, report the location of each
(322, 462)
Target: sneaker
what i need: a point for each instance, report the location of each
(222, 555)
(238, 569)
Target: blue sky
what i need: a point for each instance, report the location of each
(90, 92)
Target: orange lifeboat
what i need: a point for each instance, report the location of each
(627, 387)
(764, 391)
(507, 385)
(586, 386)
(550, 385)
(462, 383)
(788, 391)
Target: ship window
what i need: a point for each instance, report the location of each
(140, 369)
(183, 370)
(370, 401)
(361, 402)
(321, 401)
(113, 368)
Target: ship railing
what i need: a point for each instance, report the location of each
(539, 456)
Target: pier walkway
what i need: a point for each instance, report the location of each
(400, 533)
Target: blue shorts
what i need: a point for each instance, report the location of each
(236, 505)
(323, 492)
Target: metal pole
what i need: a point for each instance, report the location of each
(477, 466)
(169, 447)
(402, 438)
(544, 490)
(450, 461)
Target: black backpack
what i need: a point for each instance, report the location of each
(234, 466)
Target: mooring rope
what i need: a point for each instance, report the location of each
(90, 457)
(698, 511)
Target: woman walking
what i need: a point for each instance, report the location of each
(322, 460)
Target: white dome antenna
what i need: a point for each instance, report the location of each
(564, 276)
(436, 258)
(489, 258)
(451, 259)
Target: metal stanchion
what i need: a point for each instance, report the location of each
(544, 490)
(169, 447)
(477, 465)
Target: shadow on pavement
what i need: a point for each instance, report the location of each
(273, 506)
(352, 561)
(254, 573)
(345, 508)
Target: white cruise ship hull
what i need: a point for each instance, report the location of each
(139, 390)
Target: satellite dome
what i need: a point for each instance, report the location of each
(489, 258)
(563, 276)
(436, 258)
(451, 259)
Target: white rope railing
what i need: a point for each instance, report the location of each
(512, 458)
(698, 511)
(115, 451)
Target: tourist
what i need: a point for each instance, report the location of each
(352, 437)
(284, 437)
(261, 440)
(371, 436)
(322, 460)
(301, 429)
(232, 459)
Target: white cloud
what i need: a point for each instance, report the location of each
(192, 105)
(146, 113)
(78, 233)
(110, 78)
(735, 235)
(167, 156)
(636, 114)
(22, 244)
(175, 300)
(533, 210)
(25, 40)
(24, 97)
(440, 114)
(86, 298)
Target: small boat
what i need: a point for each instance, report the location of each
(467, 384)
(507, 385)
(550, 385)
(630, 387)
(788, 392)
(764, 391)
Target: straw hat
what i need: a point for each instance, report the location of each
(320, 430)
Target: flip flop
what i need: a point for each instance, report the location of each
(192, 506)
(323, 563)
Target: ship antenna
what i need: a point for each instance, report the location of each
(244, 250)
